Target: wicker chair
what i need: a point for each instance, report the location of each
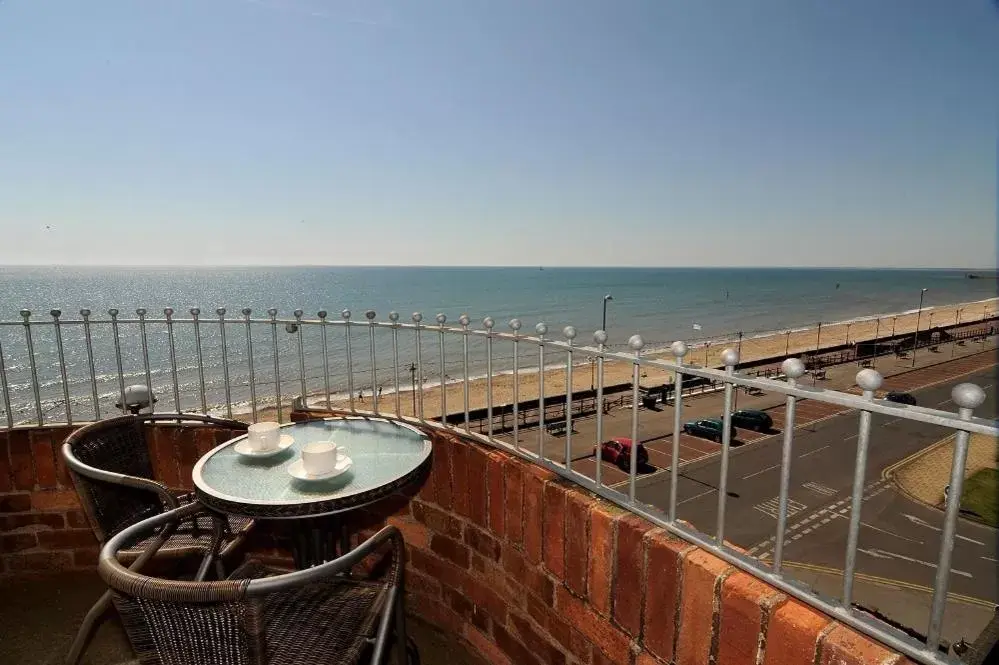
(261, 615)
(113, 474)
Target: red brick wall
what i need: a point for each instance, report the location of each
(519, 565)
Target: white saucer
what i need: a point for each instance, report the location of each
(243, 447)
(297, 469)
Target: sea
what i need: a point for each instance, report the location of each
(661, 304)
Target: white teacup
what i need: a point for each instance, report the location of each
(319, 457)
(264, 436)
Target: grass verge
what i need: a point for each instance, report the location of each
(981, 496)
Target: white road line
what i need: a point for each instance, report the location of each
(891, 422)
(890, 533)
(769, 468)
(946, 401)
(882, 554)
(851, 437)
(988, 558)
(698, 496)
(916, 520)
(814, 451)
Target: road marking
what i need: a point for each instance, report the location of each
(882, 554)
(916, 520)
(891, 422)
(946, 401)
(818, 488)
(698, 496)
(875, 528)
(988, 558)
(884, 581)
(814, 451)
(761, 471)
(851, 437)
(771, 506)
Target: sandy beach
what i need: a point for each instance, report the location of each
(776, 344)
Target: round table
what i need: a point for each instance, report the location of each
(387, 455)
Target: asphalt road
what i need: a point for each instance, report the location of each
(899, 539)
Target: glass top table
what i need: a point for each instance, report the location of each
(386, 455)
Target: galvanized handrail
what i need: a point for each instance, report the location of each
(164, 373)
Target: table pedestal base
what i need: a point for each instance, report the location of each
(316, 540)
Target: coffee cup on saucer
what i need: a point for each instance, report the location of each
(263, 437)
(319, 458)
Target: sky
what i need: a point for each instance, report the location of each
(499, 132)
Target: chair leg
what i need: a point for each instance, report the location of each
(400, 630)
(90, 623)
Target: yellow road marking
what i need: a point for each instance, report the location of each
(898, 584)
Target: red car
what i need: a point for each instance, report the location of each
(618, 451)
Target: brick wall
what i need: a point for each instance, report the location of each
(519, 565)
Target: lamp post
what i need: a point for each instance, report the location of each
(412, 378)
(706, 345)
(848, 332)
(915, 335)
(604, 320)
(877, 330)
(893, 320)
(818, 340)
(787, 343)
(592, 361)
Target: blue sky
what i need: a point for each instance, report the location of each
(500, 132)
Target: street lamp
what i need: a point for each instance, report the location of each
(412, 375)
(606, 298)
(787, 343)
(915, 335)
(877, 331)
(848, 332)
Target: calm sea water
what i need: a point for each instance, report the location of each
(660, 304)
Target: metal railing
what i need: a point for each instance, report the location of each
(55, 370)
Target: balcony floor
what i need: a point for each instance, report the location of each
(40, 616)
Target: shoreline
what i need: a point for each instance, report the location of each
(770, 344)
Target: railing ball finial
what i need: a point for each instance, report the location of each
(114, 312)
(417, 317)
(600, 337)
(678, 348)
(246, 311)
(636, 342)
(569, 332)
(441, 318)
(195, 311)
(168, 311)
(141, 311)
(272, 311)
(967, 395)
(730, 357)
(370, 315)
(464, 320)
(541, 328)
(84, 312)
(25, 313)
(869, 379)
(56, 313)
(793, 368)
(298, 314)
(322, 314)
(220, 311)
(345, 314)
(394, 316)
(515, 324)
(488, 323)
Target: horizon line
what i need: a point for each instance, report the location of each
(496, 266)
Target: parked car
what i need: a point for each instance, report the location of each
(709, 428)
(752, 419)
(618, 451)
(901, 398)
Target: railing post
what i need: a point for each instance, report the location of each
(869, 381)
(967, 397)
(635, 342)
(272, 312)
(600, 338)
(141, 312)
(26, 314)
(168, 312)
(679, 350)
(394, 319)
(441, 320)
(301, 355)
(249, 360)
(464, 320)
(85, 314)
(225, 361)
(6, 390)
(417, 317)
(542, 330)
(322, 314)
(62, 363)
(793, 369)
(730, 358)
(570, 335)
(515, 327)
(488, 324)
(345, 315)
(117, 354)
(195, 312)
(370, 316)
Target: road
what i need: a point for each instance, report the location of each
(899, 537)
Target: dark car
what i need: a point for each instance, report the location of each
(710, 428)
(751, 419)
(618, 451)
(901, 398)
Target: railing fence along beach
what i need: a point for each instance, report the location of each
(56, 362)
